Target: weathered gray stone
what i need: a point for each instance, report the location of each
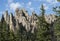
(50, 18)
(29, 22)
(6, 16)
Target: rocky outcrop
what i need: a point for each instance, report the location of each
(22, 17)
(50, 18)
(6, 16)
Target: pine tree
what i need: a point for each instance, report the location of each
(4, 29)
(57, 23)
(43, 27)
(58, 0)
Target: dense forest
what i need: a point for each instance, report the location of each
(45, 31)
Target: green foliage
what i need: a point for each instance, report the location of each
(57, 29)
(57, 10)
(43, 27)
(58, 0)
(57, 23)
(43, 32)
(3, 29)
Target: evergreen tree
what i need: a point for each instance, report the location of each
(43, 27)
(4, 29)
(58, 0)
(57, 23)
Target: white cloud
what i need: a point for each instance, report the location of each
(55, 1)
(29, 3)
(29, 6)
(37, 0)
(32, 9)
(52, 1)
(10, 1)
(13, 6)
(45, 6)
(49, 1)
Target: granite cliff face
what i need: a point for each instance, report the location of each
(50, 18)
(22, 19)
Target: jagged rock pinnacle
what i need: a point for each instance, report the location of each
(22, 17)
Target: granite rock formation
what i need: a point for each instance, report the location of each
(22, 17)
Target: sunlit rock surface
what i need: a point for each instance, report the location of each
(21, 17)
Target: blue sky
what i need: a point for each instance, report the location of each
(29, 5)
